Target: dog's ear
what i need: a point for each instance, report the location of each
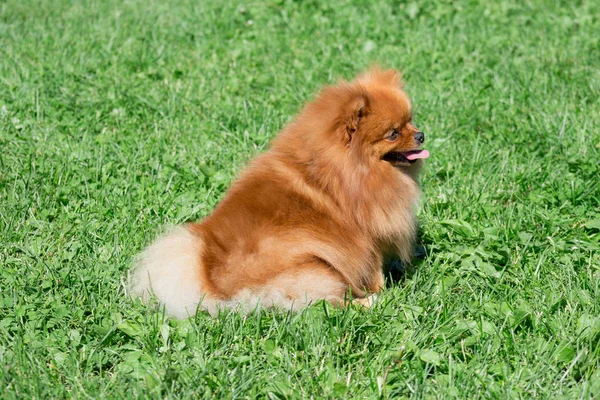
(344, 105)
(356, 109)
(387, 77)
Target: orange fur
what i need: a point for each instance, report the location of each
(310, 219)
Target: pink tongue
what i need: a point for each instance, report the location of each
(415, 154)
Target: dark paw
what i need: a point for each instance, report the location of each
(396, 270)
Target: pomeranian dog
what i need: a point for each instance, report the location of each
(311, 219)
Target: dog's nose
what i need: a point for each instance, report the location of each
(420, 137)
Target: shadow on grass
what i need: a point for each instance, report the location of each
(396, 271)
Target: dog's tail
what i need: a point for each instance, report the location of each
(170, 270)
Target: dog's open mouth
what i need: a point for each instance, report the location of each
(405, 157)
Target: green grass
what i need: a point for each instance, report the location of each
(118, 118)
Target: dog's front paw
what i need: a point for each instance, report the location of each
(366, 302)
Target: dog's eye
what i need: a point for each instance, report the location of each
(392, 136)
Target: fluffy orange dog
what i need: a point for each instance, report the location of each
(313, 218)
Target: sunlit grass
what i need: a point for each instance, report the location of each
(119, 118)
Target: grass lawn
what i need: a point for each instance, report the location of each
(118, 118)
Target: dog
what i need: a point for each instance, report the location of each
(311, 219)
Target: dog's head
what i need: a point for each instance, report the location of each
(374, 119)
